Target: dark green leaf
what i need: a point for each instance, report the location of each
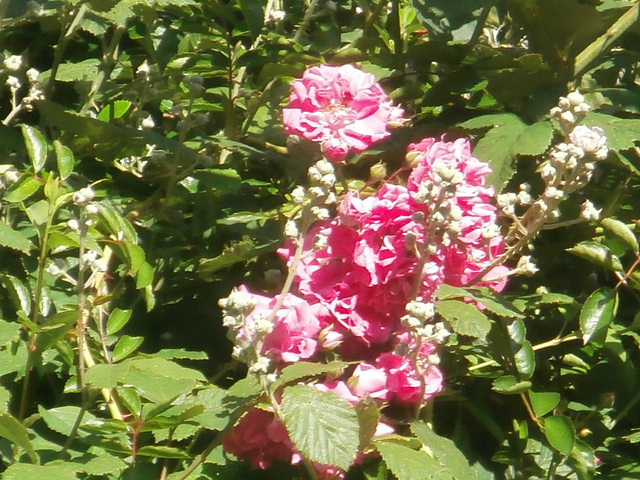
(144, 277)
(125, 347)
(299, 370)
(525, 360)
(596, 314)
(114, 110)
(117, 320)
(162, 452)
(23, 471)
(323, 426)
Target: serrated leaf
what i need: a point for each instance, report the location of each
(38, 212)
(12, 430)
(322, 426)
(9, 332)
(510, 385)
(5, 398)
(36, 147)
(445, 452)
(621, 232)
(62, 419)
(299, 370)
(596, 314)
(101, 465)
(14, 239)
(368, 419)
(495, 149)
(543, 402)
(597, 253)
(65, 159)
(560, 433)
(488, 121)
(181, 354)
(465, 319)
(72, 72)
(621, 133)
(23, 190)
(534, 140)
(117, 320)
(23, 471)
(406, 463)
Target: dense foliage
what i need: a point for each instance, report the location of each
(179, 179)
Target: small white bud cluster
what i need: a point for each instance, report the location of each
(56, 268)
(194, 84)
(570, 110)
(418, 314)
(36, 89)
(525, 266)
(83, 196)
(317, 200)
(146, 121)
(92, 259)
(275, 17)
(8, 176)
(589, 212)
(150, 73)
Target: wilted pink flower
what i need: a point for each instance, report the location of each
(260, 438)
(342, 108)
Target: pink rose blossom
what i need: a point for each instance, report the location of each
(342, 108)
(261, 439)
(295, 328)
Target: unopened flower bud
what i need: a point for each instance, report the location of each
(575, 98)
(413, 158)
(11, 176)
(91, 209)
(324, 167)
(589, 212)
(291, 229)
(13, 63)
(298, 194)
(378, 171)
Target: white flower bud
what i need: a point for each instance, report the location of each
(314, 174)
(589, 212)
(526, 266)
(261, 366)
(238, 301)
(298, 194)
(324, 167)
(13, 63)
(291, 229)
(490, 231)
(13, 82)
(147, 122)
(331, 199)
(567, 118)
(328, 180)
(575, 98)
(33, 75)
(92, 209)
(11, 176)
(591, 140)
(320, 213)
(73, 224)
(564, 103)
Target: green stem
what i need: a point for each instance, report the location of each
(35, 317)
(308, 14)
(603, 42)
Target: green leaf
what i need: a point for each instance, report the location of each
(144, 276)
(368, 419)
(5, 398)
(495, 148)
(510, 385)
(597, 253)
(14, 239)
(72, 72)
(117, 320)
(596, 314)
(525, 360)
(114, 110)
(136, 256)
(162, 452)
(23, 471)
(543, 402)
(101, 465)
(38, 212)
(621, 232)
(125, 347)
(445, 452)
(253, 15)
(23, 190)
(62, 419)
(36, 147)
(493, 301)
(296, 371)
(12, 430)
(66, 162)
(406, 463)
(18, 292)
(534, 140)
(560, 433)
(9, 332)
(465, 319)
(488, 121)
(323, 426)
(621, 133)
(181, 353)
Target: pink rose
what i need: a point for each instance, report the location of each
(342, 108)
(261, 439)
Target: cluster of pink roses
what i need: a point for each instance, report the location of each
(354, 285)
